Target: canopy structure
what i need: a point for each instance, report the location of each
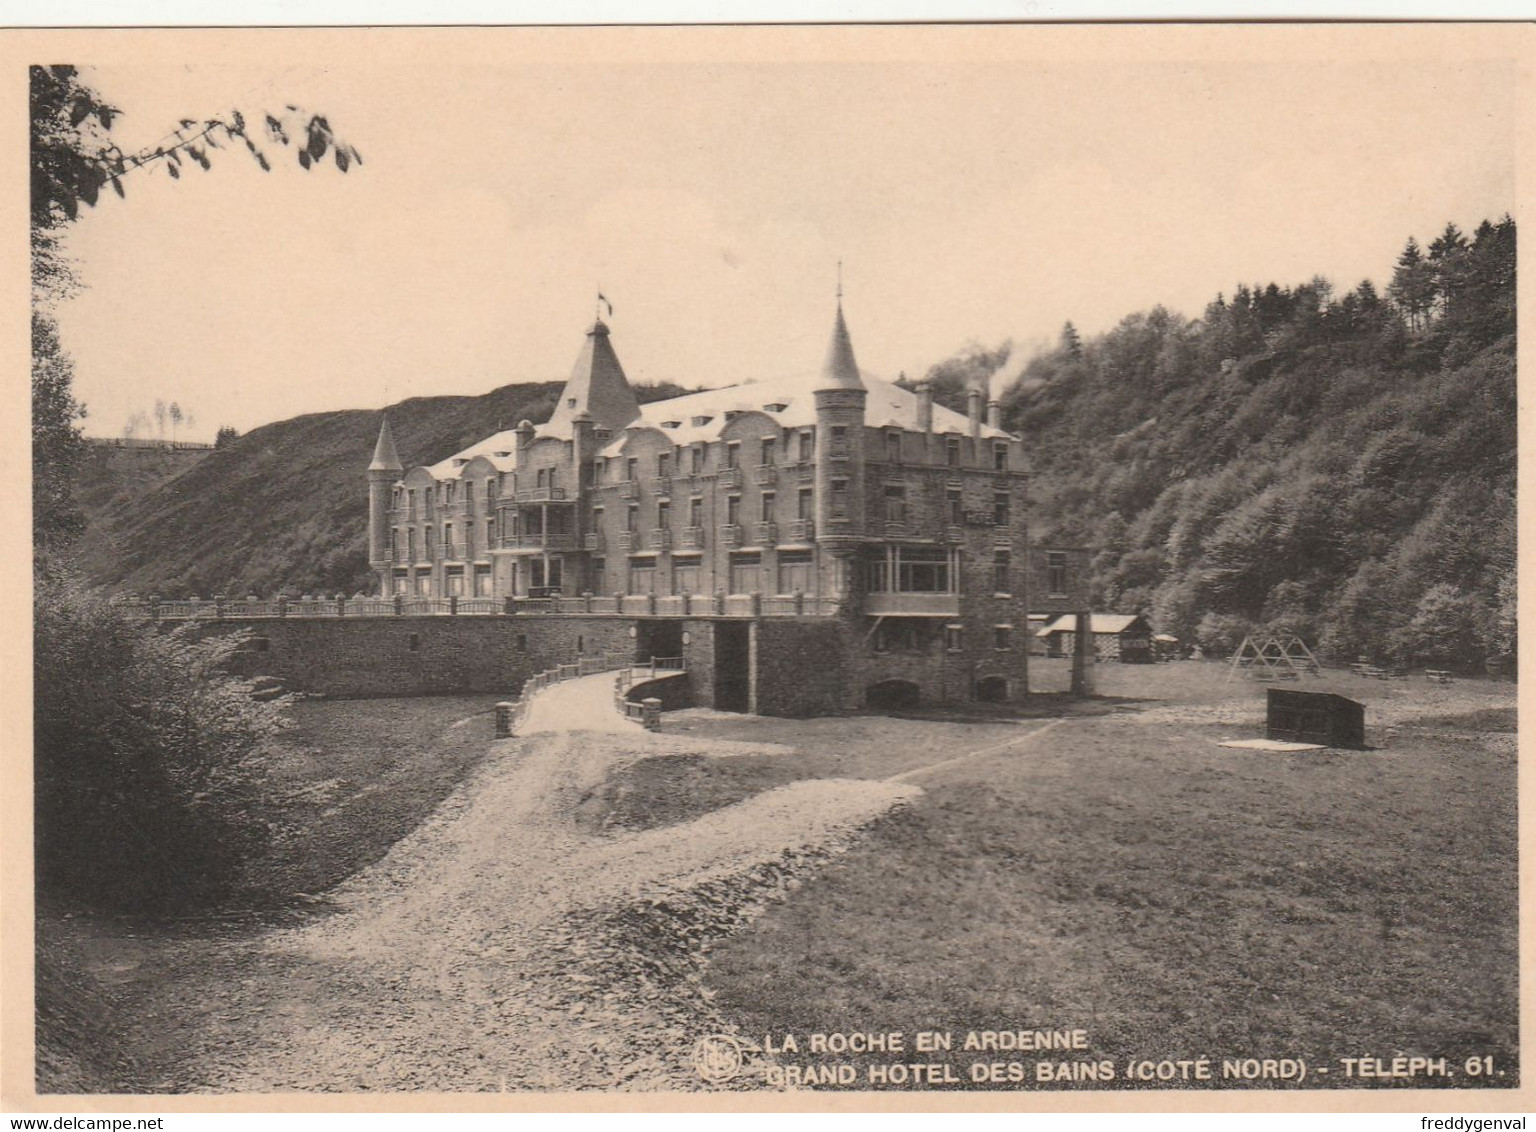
(1266, 658)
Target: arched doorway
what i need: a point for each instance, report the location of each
(992, 689)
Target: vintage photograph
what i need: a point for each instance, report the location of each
(775, 561)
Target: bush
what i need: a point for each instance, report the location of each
(150, 792)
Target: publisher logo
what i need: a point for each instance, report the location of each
(717, 1057)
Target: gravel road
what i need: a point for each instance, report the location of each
(498, 947)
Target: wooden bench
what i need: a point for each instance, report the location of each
(1437, 676)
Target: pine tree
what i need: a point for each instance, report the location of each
(1413, 286)
(1071, 343)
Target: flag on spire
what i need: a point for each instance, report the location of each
(603, 299)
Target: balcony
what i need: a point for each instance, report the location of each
(954, 533)
(1002, 536)
(802, 530)
(730, 534)
(629, 489)
(766, 534)
(728, 477)
(629, 540)
(896, 528)
(593, 541)
(912, 604)
(663, 485)
(766, 475)
(660, 539)
(541, 495)
(805, 473)
(693, 538)
(540, 540)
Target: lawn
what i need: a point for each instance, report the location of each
(1174, 898)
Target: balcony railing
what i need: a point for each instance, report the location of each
(802, 530)
(629, 540)
(730, 534)
(913, 604)
(766, 475)
(593, 541)
(539, 601)
(895, 528)
(629, 489)
(805, 473)
(728, 477)
(545, 540)
(766, 534)
(693, 538)
(660, 539)
(954, 533)
(540, 495)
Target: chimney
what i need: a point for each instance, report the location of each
(973, 410)
(995, 414)
(924, 407)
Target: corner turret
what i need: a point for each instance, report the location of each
(383, 471)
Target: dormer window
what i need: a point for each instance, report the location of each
(670, 424)
(700, 422)
(570, 402)
(775, 407)
(732, 414)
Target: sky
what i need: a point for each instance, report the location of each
(711, 204)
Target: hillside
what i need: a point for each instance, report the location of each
(1340, 467)
(285, 505)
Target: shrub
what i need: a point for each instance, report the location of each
(149, 784)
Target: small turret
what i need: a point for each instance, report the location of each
(840, 400)
(383, 471)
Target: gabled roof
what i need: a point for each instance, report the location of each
(1109, 623)
(597, 386)
(489, 447)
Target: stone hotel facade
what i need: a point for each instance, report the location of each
(831, 531)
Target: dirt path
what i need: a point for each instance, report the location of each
(497, 947)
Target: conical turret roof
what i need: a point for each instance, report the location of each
(840, 370)
(385, 458)
(597, 386)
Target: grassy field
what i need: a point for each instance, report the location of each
(1128, 876)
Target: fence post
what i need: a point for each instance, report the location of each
(154, 607)
(509, 605)
(719, 602)
(453, 605)
(756, 603)
(650, 603)
(341, 605)
(650, 718)
(504, 720)
(399, 604)
(799, 602)
(218, 605)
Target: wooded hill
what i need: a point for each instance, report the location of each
(1341, 466)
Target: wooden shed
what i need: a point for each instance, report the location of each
(1124, 637)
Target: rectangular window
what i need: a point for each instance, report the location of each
(539, 478)
(663, 514)
(922, 569)
(632, 518)
(746, 573)
(698, 458)
(1000, 457)
(952, 451)
(895, 503)
(642, 575)
(631, 465)
(805, 504)
(685, 575)
(795, 572)
(807, 446)
(695, 512)
(732, 510)
(454, 575)
(733, 454)
(482, 581)
(954, 638)
(839, 498)
(1001, 570)
(893, 447)
(839, 440)
(956, 503)
(599, 581)
(1056, 572)
(767, 455)
(663, 464)
(1000, 509)
(1002, 637)
(766, 514)
(448, 547)
(469, 493)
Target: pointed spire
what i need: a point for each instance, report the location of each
(597, 386)
(385, 458)
(840, 370)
